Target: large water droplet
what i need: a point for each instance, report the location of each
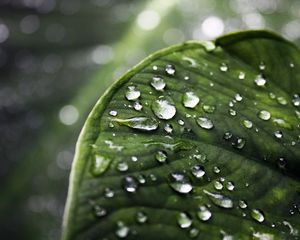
(203, 213)
(100, 164)
(264, 115)
(205, 123)
(140, 123)
(170, 69)
(260, 80)
(158, 83)
(183, 220)
(130, 184)
(180, 183)
(161, 156)
(122, 230)
(164, 109)
(132, 94)
(257, 215)
(190, 99)
(219, 199)
(198, 171)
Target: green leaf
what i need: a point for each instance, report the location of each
(200, 140)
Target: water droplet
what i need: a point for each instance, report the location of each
(134, 158)
(232, 112)
(272, 95)
(183, 220)
(132, 94)
(168, 128)
(122, 166)
(238, 97)
(282, 123)
(227, 135)
(219, 199)
(99, 211)
(154, 67)
(130, 184)
(262, 66)
(243, 204)
(292, 65)
(230, 186)
(264, 115)
(180, 122)
(100, 164)
(141, 217)
(238, 142)
(198, 171)
(223, 67)
(194, 232)
(282, 100)
(247, 123)
(218, 185)
(170, 69)
(108, 193)
(257, 215)
(296, 100)
(205, 123)
(122, 230)
(216, 169)
(140, 123)
(242, 75)
(278, 134)
(190, 100)
(113, 113)
(161, 156)
(180, 183)
(158, 83)
(282, 162)
(260, 81)
(208, 108)
(164, 109)
(141, 179)
(203, 213)
(137, 106)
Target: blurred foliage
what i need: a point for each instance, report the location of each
(58, 57)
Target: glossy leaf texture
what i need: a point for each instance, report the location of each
(199, 141)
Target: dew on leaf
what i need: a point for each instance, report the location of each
(164, 109)
(194, 232)
(238, 142)
(141, 179)
(134, 158)
(238, 97)
(141, 217)
(180, 122)
(99, 211)
(242, 75)
(168, 128)
(216, 169)
(108, 193)
(122, 230)
(282, 162)
(227, 135)
(243, 204)
(205, 123)
(278, 134)
(282, 123)
(183, 220)
(158, 83)
(130, 185)
(100, 164)
(204, 214)
(113, 113)
(230, 186)
(232, 112)
(264, 115)
(132, 94)
(161, 156)
(282, 100)
(257, 215)
(262, 66)
(198, 170)
(247, 123)
(140, 123)
(180, 182)
(122, 166)
(218, 185)
(208, 108)
(190, 100)
(296, 100)
(223, 67)
(219, 199)
(260, 81)
(137, 106)
(170, 69)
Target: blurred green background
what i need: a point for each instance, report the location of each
(57, 57)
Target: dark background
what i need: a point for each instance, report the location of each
(58, 57)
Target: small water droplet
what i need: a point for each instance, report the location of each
(242, 75)
(243, 204)
(205, 123)
(238, 97)
(219, 199)
(232, 112)
(230, 186)
(141, 178)
(170, 69)
(180, 122)
(282, 162)
(218, 185)
(264, 115)
(100, 164)
(257, 215)
(216, 169)
(180, 183)
(122, 230)
(130, 184)
(183, 220)
(108, 193)
(238, 142)
(132, 94)
(99, 211)
(223, 67)
(190, 100)
(194, 232)
(164, 109)
(203, 213)
(168, 128)
(278, 134)
(292, 65)
(262, 66)
(272, 95)
(140, 123)
(282, 123)
(296, 100)
(227, 135)
(141, 217)
(282, 100)
(208, 108)
(260, 81)
(122, 166)
(198, 171)
(134, 158)
(247, 123)
(137, 106)
(161, 156)
(158, 83)
(113, 113)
